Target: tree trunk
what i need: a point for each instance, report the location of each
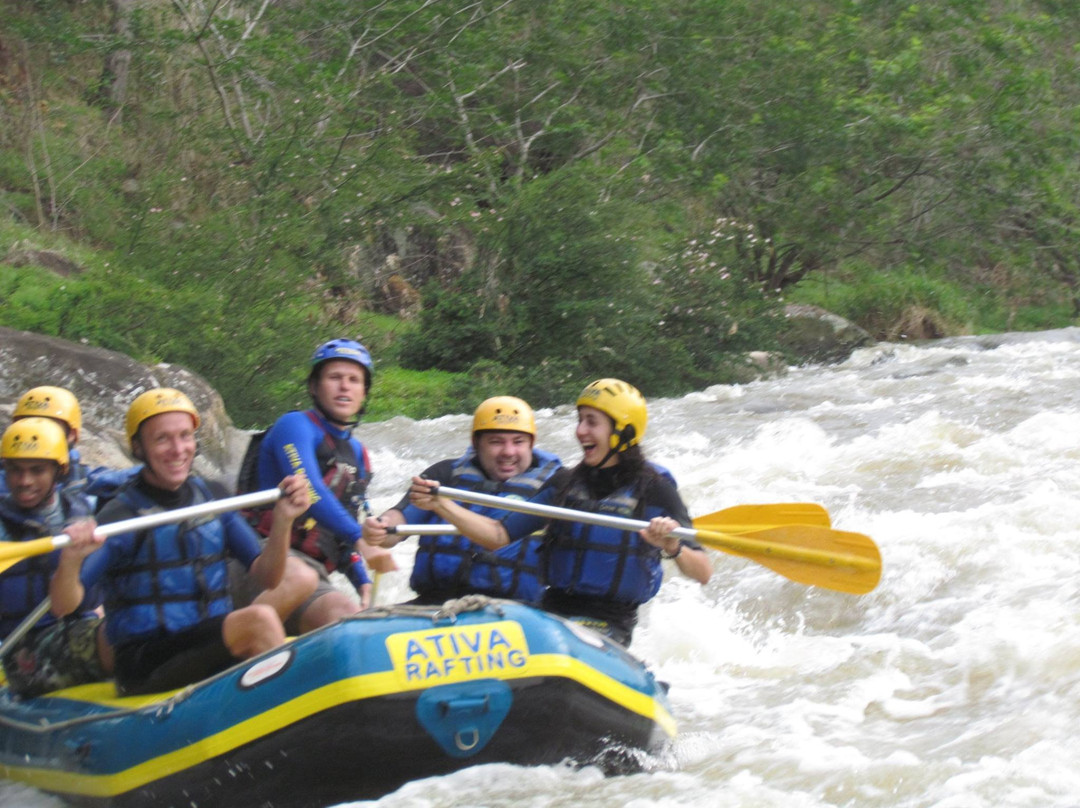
(114, 77)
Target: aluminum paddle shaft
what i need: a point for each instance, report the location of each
(809, 554)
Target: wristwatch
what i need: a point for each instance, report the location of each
(669, 556)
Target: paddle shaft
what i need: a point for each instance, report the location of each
(9, 550)
(18, 550)
(739, 544)
(450, 530)
(28, 623)
(423, 530)
(733, 519)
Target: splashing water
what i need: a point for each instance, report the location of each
(954, 684)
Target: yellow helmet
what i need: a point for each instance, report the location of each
(621, 402)
(35, 438)
(155, 402)
(51, 402)
(504, 414)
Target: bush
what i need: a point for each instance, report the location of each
(885, 303)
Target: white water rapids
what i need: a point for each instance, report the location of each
(955, 684)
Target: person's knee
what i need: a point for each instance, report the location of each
(299, 583)
(329, 608)
(252, 630)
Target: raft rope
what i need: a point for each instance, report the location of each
(448, 611)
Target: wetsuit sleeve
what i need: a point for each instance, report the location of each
(518, 525)
(240, 538)
(290, 446)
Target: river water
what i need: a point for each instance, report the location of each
(954, 684)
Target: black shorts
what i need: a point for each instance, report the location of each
(610, 618)
(174, 660)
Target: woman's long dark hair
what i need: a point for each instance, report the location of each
(630, 469)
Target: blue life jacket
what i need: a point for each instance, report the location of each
(603, 562)
(100, 485)
(26, 584)
(454, 562)
(175, 577)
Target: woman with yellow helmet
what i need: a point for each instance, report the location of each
(600, 576)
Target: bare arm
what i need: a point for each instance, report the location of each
(269, 567)
(483, 530)
(375, 528)
(66, 591)
(691, 563)
(694, 564)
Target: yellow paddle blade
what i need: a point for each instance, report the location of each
(12, 552)
(808, 554)
(746, 518)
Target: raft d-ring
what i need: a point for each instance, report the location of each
(459, 740)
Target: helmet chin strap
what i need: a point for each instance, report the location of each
(607, 457)
(332, 419)
(625, 437)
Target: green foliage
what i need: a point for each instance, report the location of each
(879, 301)
(716, 310)
(453, 332)
(567, 289)
(570, 274)
(415, 394)
(541, 172)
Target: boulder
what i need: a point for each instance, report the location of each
(814, 335)
(51, 260)
(105, 382)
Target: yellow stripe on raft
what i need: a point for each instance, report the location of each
(372, 685)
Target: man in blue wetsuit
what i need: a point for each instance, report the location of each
(319, 443)
(53, 653)
(494, 555)
(169, 617)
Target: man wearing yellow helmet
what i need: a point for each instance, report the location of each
(169, 616)
(53, 653)
(600, 576)
(62, 407)
(494, 555)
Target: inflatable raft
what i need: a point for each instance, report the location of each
(349, 712)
